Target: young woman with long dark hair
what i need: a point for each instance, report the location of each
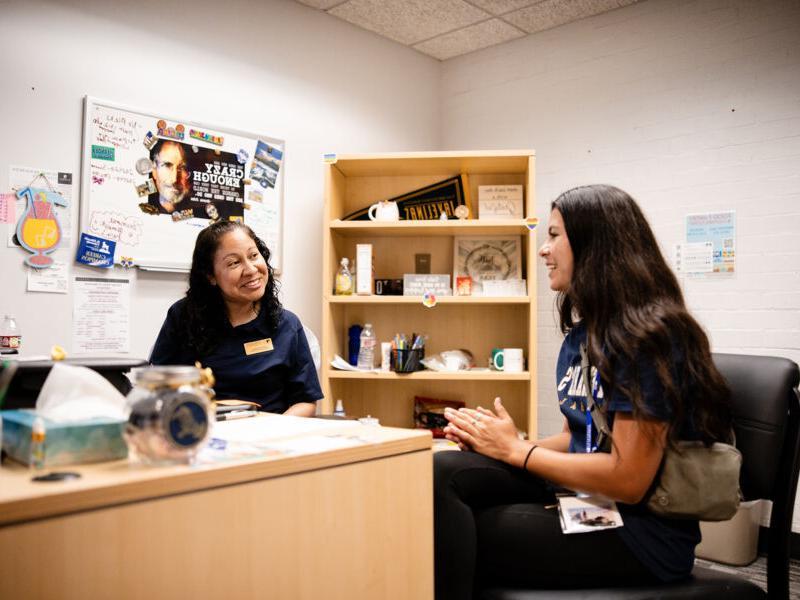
(232, 321)
(656, 383)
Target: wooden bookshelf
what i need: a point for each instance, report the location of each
(475, 323)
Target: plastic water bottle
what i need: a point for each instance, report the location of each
(10, 337)
(366, 348)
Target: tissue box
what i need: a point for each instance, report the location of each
(92, 440)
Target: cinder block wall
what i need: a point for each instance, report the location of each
(691, 106)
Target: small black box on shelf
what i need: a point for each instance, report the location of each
(389, 287)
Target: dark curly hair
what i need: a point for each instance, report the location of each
(204, 317)
(634, 311)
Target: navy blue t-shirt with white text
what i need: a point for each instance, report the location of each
(664, 546)
(275, 377)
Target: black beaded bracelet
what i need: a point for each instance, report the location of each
(525, 464)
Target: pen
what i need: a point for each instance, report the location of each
(237, 414)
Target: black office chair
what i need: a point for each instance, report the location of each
(30, 376)
(766, 413)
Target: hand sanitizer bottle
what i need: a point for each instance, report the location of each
(344, 279)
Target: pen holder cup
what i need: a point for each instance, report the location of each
(407, 360)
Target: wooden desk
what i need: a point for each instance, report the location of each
(349, 523)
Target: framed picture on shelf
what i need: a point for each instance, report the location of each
(487, 258)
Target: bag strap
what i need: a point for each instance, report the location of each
(598, 416)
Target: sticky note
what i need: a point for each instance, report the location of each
(8, 208)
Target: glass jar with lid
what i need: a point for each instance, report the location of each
(170, 413)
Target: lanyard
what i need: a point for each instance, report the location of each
(590, 447)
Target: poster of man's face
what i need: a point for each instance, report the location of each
(171, 174)
(196, 182)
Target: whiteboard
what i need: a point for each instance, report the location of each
(151, 182)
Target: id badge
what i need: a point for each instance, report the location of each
(258, 346)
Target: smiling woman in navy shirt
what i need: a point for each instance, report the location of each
(232, 321)
(652, 376)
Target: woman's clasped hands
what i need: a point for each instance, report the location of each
(481, 430)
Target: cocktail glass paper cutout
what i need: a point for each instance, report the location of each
(38, 230)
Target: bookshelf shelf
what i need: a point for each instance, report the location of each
(418, 300)
(433, 376)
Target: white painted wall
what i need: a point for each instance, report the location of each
(690, 106)
(266, 66)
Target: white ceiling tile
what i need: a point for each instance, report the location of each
(321, 4)
(409, 21)
(469, 39)
(501, 7)
(552, 13)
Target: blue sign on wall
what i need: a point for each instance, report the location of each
(96, 252)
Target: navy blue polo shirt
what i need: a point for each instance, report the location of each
(664, 546)
(275, 379)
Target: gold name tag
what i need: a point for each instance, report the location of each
(258, 346)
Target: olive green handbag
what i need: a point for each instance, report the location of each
(697, 482)
(694, 481)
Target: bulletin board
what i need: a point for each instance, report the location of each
(150, 183)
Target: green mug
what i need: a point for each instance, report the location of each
(497, 359)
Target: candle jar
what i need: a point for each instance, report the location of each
(170, 413)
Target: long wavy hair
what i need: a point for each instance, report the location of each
(634, 311)
(205, 318)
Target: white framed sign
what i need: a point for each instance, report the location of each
(417, 284)
(487, 258)
(496, 202)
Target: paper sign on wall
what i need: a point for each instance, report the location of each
(718, 229)
(53, 280)
(101, 315)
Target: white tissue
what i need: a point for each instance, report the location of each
(73, 393)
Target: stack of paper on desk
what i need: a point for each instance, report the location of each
(269, 428)
(278, 436)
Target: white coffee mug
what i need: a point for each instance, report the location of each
(509, 360)
(384, 211)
